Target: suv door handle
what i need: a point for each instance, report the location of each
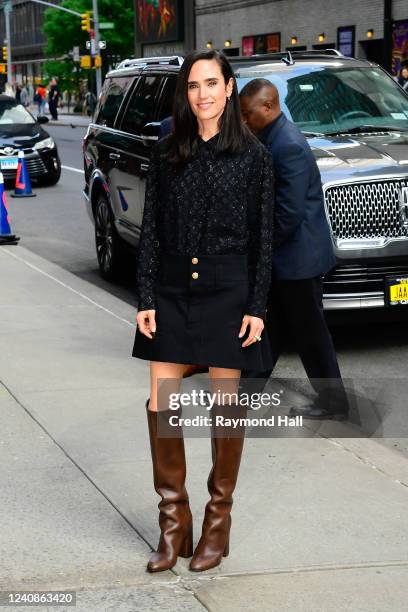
(144, 167)
(115, 156)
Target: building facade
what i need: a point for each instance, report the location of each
(164, 28)
(27, 40)
(244, 27)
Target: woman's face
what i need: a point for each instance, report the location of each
(206, 90)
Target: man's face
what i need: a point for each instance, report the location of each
(404, 73)
(255, 112)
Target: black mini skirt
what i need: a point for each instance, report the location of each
(200, 303)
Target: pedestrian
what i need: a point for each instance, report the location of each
(18, 93)
(403, 77)
(53, 98)
(24, 97)
(39, 99)
(303, 252)
(90, 103)
(203, 275)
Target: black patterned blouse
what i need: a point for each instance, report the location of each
(218, 204)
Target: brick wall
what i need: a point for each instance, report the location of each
(218, 20)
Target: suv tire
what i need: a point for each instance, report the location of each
(107, 242)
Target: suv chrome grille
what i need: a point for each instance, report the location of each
(366, 210)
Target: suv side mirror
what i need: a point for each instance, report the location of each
(151, 133)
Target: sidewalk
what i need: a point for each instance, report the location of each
(319, 525)
(65, 118)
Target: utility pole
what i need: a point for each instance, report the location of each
(7, 11)
(96, 38)
(387, 48)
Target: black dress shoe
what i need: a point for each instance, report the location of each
(316, 413)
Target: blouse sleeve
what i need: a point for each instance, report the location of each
(261, 200)
(149, 246)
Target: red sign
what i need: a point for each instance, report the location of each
(247, 45)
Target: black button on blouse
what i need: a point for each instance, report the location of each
(217, 204)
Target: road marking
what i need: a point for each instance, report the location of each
(82, 295)
(72, 169)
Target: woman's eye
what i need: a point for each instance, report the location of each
(212, 83)
(192, 86)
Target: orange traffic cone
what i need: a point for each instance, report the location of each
(6, 237)
(23, 184)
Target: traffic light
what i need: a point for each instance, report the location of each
(86, 61)
(5, 54)
(97, 61)
(3, 68)
(86, 21)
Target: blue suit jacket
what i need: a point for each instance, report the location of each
(303, 246)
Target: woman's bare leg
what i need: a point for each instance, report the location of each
(171, 373)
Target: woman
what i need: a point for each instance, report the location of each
(203, 276)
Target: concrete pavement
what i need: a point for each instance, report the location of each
(65, 118)
(318, 524)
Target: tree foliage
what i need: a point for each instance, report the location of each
(63, 30)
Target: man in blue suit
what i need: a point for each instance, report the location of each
(303, 252)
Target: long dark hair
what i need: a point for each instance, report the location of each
(234, 134)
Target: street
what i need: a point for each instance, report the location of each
(56, 225)
(80, 509)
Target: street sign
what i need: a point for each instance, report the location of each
(106, 25)
(88, 44)
(102, 44)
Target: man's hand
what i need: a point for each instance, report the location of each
(256, 326)
(146, 322)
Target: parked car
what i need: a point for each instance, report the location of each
(20, 131)
(355, 117)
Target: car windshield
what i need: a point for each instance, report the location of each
(10, 113)
(325, 98)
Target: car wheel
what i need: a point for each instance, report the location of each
(52, 177)
(107, 241)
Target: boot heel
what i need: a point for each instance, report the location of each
(226, 549)
(186, 549)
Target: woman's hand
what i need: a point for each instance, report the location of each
(256, 326)
(146, 322)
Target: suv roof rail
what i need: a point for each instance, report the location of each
(175, 60)
(290, 54)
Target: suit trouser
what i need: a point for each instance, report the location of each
(295, 310)
(52, 105)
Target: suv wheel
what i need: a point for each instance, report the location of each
(107, 241)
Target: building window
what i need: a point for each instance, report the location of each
(400, 45)
(346, 40)
(261, 43)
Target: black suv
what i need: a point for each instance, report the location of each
(355, 117)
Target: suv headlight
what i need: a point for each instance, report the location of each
(47, 143)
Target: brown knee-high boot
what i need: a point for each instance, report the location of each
(169, 474)
(226, 447)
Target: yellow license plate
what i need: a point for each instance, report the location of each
(398, 291)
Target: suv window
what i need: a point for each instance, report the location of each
(141, 107)
(111, 97)
(166, 107)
